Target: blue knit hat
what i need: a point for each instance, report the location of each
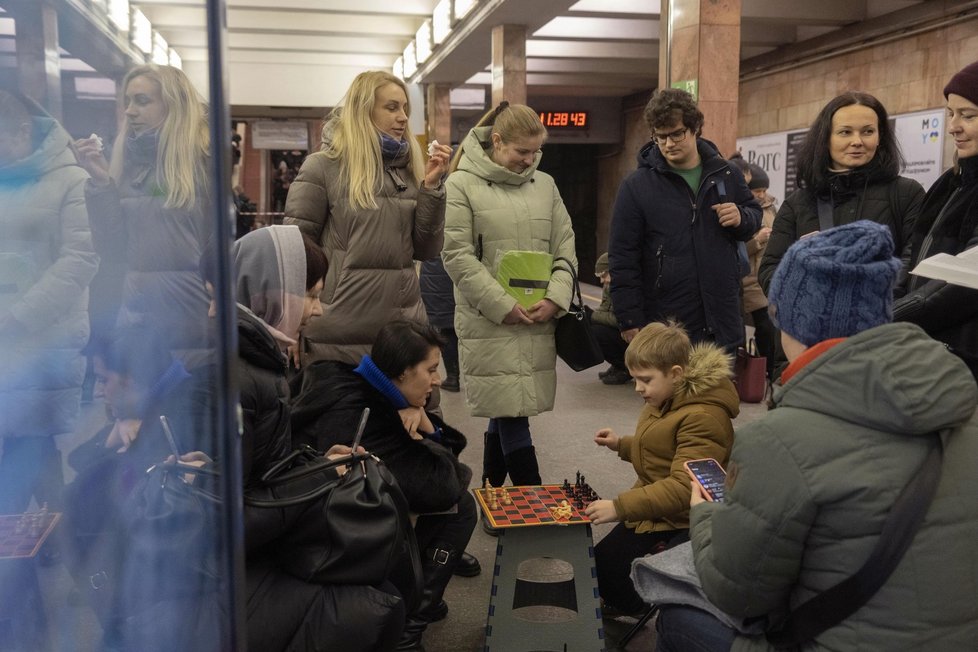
(836, 283)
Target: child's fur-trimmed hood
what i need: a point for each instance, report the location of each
(708, 377)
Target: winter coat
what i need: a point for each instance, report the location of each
(438, 294)
(46, 264)
(510, 371)
(812, 482)
(692, 425)
(754, 297)
(857, 195)
(328, 400)
(371, 252)
(668, 254)
(948, 224)
(160, 248)
(605, 313)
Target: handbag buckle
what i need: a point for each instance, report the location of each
(440, 556)
(99, 580)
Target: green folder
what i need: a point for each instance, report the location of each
(525, 275)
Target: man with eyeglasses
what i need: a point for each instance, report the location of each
(674, 233)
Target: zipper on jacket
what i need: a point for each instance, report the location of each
(658, 268)
(478, 248)
(398, 182)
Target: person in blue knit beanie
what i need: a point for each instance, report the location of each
(861, 405)
(835, 284)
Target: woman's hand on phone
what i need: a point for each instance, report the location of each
(602, 511)
(606, 437)
(697, 494)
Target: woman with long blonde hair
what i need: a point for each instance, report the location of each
(375, 205)
(148, 207)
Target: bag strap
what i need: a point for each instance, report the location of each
(575, 284)
(897, 212)
(825, 221)
(831, 607)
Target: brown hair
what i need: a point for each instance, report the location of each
(511, 122)
(666, 103)
(660, 346)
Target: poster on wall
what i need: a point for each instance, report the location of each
(920, 136)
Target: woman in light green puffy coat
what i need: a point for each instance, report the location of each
(499, 202)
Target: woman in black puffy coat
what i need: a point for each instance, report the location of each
(948, 224)
(850, 162)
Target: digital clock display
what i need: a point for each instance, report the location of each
(568, 119)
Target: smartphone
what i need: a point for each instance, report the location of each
(360, 428)
(710, 475)
(170, 439)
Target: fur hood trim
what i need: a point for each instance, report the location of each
(708, 365)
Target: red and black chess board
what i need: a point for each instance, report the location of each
(21, 535)
(530, 506)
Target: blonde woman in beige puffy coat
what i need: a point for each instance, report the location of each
(498, 202)
(375, 205)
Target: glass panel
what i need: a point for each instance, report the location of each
(109, 371)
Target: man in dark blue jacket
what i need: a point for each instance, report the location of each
(674, 233)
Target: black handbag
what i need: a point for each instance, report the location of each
(349, 530)
(576, 344)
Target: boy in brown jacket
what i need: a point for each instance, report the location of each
(689, 403)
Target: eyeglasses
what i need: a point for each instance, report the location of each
(677, 136)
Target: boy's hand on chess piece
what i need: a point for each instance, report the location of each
(124, 433)
(602, 511)
(606, 437)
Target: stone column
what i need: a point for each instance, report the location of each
(439, 121)
(705, 51)
(38, 59)
(509, 64)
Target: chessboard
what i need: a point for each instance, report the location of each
(22, 535)
(528, 506)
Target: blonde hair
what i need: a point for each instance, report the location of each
(184, 145)
(511, 122)
(350, 136)
(660, 346)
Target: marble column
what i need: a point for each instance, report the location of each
(38, 59)
(509, 64)
(705, 48)
(439, 122)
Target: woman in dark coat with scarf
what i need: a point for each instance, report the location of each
(420, 450)
(948, 224)
(850, 165)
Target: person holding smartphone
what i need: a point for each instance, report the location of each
(689, 403)
(863, 403)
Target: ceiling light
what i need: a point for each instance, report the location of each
(463, 7)
(161, 50)
(422, 42)
(141, 31)
(399, 68)
(119, 14)
(410, 61)
(441, 21)
(175, 60)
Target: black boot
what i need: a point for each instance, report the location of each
(493, 461)
(522, 466)
(438, 563)
(451, 384)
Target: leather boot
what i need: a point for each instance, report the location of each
(522, 466)
(451, 383)
(438, 563)
(493, 461)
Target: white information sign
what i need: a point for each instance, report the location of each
(279, 134)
